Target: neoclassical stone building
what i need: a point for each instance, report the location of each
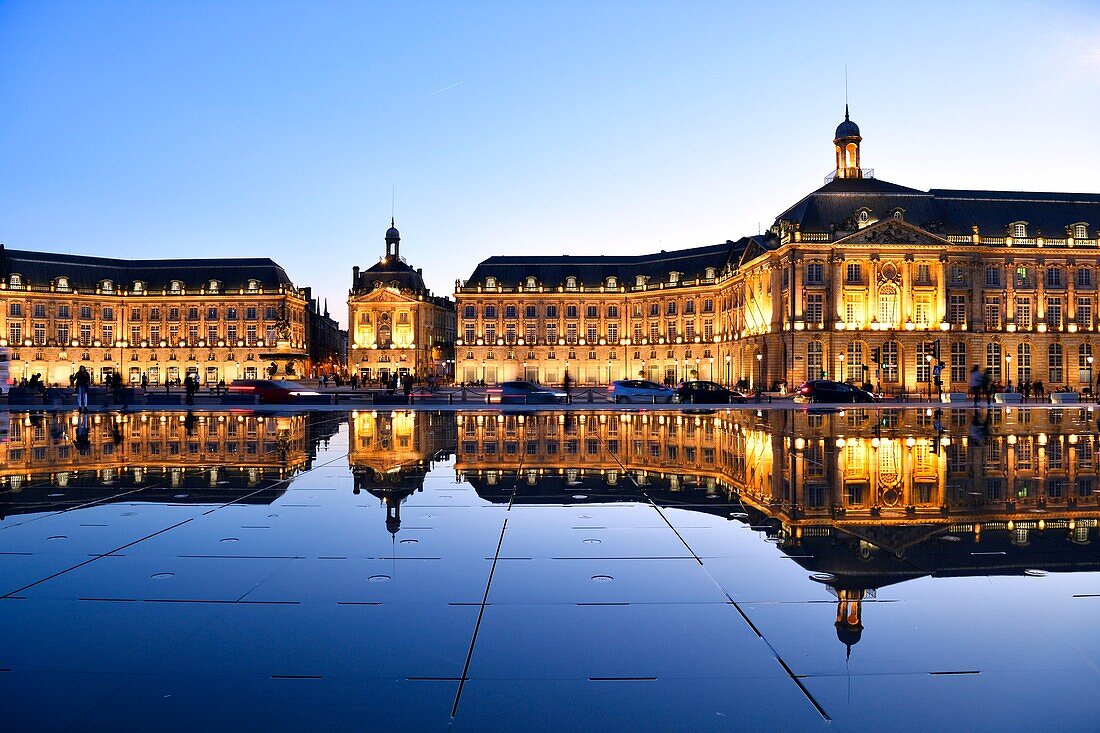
(216, 319)
(862, 279)
(395, 324)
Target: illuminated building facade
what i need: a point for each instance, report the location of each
(395, 323)
(862, 280)
(216, 319)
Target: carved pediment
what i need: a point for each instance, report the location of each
(894, 231)
(384, 295)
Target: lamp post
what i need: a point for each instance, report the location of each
(840, 357)
(928, 361)
(483, 372)
(729, 377)
(524, 371)
(1008, 372)
(711, 375)
(760, 362)
(697, 374)
(1088, 360)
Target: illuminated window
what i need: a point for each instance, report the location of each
(815, 360)
(1023, 313)
(1084, 368)
(815, 308)
(1055, 361)
(1054, 277)
(531, 283)
(993, 277)
(855, 273)
(992, 311)
(890, 371)
(815, 273)
(612, 282)
(1084, 313)
(888, 305)
(570, 282)
(958, 362)
(1019, 229)
(993, 359)
(1054, 313)
(1080, 231)
(1023, 363)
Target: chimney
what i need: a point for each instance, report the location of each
(355, 277)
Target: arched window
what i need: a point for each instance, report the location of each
(815, 360)
(107, 286)
(864, 216)
(570, 282)
(531, 283)
(490, 282)
(890, 361)
(1084, 363)
(710, 273)
(16, 281)
(639, 280)
(1023, 363)
(612, 282)
(888, 305)
(214, 286)
(1080, 231)
(855, 363)
(1055, 363)
(899, 214)
(176, 286)
(993, 359)
(62, 283)
(253, 285)
(1019, 229)
(674, 277)
(138, 287)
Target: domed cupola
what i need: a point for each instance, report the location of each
(393, 240)
(847, 142)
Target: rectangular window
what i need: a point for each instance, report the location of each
(1024, 278)
(1023, 314)
(85, 334)
(85, 311)
(211, 335)
(40, 334)
(654, 331)
(708, 305)
(135, 335)
(63, 311)
(958, 362)
(670, 308)
(16, 310)
(815, 308)
(174, 335)
(249, 313)
(637, 333)
(1084, 313)
(689, 330)
(992, 277)
(231, 334)
(571, 333)
(592, 332)
(490, 333)
(815, 360)
(570, 311)
(853, 309)
(250, 334)
(1054, 365)
(551, 311)
(670, 330)
(854, 273)
(39, 310)
(922, 312)
(1084, 277)
(1054, 313)
(530, 332)
(956, 309)
(108, 332)
(471, 333)
(1054, 277)
(63, 334)
(192, 335)
(958, 275)
(992, 311)
(154, 335)
(815, 273)
(708, 329)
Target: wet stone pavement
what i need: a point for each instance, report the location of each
(487, 570)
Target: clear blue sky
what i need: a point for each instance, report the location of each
(278, 128)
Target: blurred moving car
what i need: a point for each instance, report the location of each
(639, 390)
(524, 393)
(708, 393)
(826, 390)
(272, 391)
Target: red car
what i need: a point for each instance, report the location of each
(271, 391)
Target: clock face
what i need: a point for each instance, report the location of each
(385, 318)
(889, 271)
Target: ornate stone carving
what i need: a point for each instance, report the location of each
(892, 232)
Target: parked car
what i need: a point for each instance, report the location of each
(708, 393)
(639, 390)
(271, 391)
(826, 390)
(526, 393)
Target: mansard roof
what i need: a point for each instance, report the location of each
(84, 272)
(391, 269)
(594, 270)
(836, 206)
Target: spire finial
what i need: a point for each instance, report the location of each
(394, 225)
(846, 112)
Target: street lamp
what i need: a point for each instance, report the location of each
(760, 361)
(840, 356)
(928, 360)
(1088, 360)
(1008, 372)
(729, 377)
(483, 371)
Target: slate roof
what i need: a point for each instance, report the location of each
(86, 273)
(943, 211)
(391, 269)
(593, 270)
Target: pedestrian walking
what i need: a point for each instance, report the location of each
(82, 381)
(987, 385)
(975, 383)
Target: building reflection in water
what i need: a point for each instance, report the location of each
(863, 499)
(52, 461)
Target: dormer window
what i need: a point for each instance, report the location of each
(107, 286)
(674, 277)
(711, 273)
(898, 214)
(253, 285)
(138, 286)
(1080, 231)
(15, 281)
(864, 216)
(612, 282)
(1019, 229)
(490, 282)
(175, 286)
(639, 280)
(570, 282)
(62, 283)
(214, 287)
(531, 283)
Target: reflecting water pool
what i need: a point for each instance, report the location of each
(486, 570)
